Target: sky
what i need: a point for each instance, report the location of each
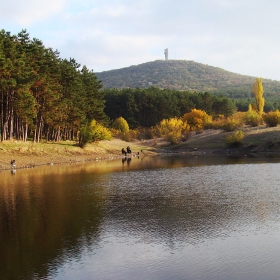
(241, 36)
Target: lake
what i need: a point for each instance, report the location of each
(172, 217)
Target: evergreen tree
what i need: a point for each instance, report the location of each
(42, 95)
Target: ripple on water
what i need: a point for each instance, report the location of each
(193, 222)
(195, 201)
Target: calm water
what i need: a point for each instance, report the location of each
(150, 218)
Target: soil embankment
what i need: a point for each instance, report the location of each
(259, 140)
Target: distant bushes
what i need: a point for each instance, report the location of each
(93, 132)
(120, 124)
(178, 129)
(252, 118)
(120, 129)
(272, 119)
(197, 119)
(228, 124)
(234, 139)
(173, 130)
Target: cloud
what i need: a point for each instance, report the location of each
(28, 12)
(239, 36)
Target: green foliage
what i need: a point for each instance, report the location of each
(234, 139)
(223, 106)
(272, 119)
(42, 95)
(84, 135)
(26, 106)
(121, 125)
(197, 119)
(147, 107)
(93, 132)
(173, 130)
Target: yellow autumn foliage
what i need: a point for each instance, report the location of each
(272, 119)
(121, 125)
(197, 119)
(258, 92)
(173, 130)
(234, 139)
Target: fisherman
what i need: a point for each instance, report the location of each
(128, 150)
(123, 151)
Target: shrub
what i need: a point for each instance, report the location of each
(84, 135)
(99, 132)
(145, 133)
(141, 133)
(234, 139)
(121, 125)
(230, 124)
(272, 119)
(252, 118)
(173, 130)
(115, 133)
(197, 119)
(93, 132)
(217, 123)
(233, 122)
(137, 133)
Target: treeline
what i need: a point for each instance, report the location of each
(147, 107)
(271, 104)
(272, 90)
(42, 95)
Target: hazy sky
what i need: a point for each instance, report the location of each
(241, 36)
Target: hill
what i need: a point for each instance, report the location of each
(186, 75)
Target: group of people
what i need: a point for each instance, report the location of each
(127, 151)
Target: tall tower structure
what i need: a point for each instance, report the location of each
(166, 54)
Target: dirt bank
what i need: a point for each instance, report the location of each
(257, 140)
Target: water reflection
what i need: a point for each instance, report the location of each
(46, 219)
(87, 213)
(126, 160)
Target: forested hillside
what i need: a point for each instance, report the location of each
(186, 75)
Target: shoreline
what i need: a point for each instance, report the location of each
(32, 161)
(258, 142)
(30, 155)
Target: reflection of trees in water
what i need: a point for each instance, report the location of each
(51, 218)
(39, 226)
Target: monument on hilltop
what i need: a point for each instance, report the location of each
(166, 54)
